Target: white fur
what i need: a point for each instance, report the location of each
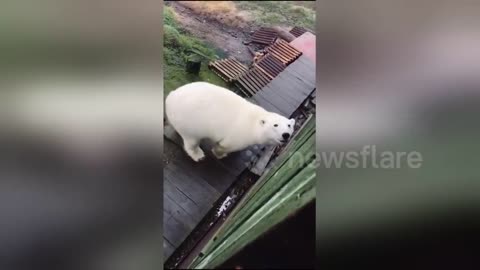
(202, 110)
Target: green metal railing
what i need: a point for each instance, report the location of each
(280, 192)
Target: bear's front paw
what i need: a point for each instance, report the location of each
(197, 155)
(218, 154)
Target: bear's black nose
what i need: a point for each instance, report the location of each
(285, 136)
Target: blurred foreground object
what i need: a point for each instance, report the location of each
(80, 134)
(404, 79)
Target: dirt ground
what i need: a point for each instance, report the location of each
(228, 39)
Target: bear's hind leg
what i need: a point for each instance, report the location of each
(193, 149)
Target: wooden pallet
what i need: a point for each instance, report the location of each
(252, 81)
(284, 52)
(228, 69)
(270, 65)
(265, 36)
(298, 31)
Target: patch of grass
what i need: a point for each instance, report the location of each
(175, 76)
(286, 13)
(222, 11)
(177, 47)
(169, 17)
(274, 18)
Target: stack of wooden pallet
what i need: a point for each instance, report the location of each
(228, 69)
(250, 81)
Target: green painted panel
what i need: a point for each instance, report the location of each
(291, 197)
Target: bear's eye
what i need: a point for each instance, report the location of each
(275, 125)
(288, 125)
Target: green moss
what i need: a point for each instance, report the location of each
(171, 37)
(274, 18)
(176, 76)
(169, 17)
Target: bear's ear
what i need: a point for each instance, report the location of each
(262, 122)
(292, 121)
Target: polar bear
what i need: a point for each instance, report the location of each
(201, 110)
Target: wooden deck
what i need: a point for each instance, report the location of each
(286, 92)
(191, 189)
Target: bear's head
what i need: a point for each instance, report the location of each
(276, 129)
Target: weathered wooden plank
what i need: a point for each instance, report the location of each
(221, 68)
(235, 162)
(225, 170)
(258, 78)
(298, 88)
(235, 70)
(287, 90)
(303, 69)
(193, 186)
(217, 173)
(239, 86)
(269, 104)
(168, 248)
(304, 63)
(286, 51)
(239, 65)
(209, 170)
(180, 214)
(183, 200)
(265, 72)
(253, 81)
(273, 64)
(286, 106)
(175, 232)
(307, 62)
(245, 88)
(260, 101)
(304, 85)
(248, 85)
(303, 77)
(265, 79)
